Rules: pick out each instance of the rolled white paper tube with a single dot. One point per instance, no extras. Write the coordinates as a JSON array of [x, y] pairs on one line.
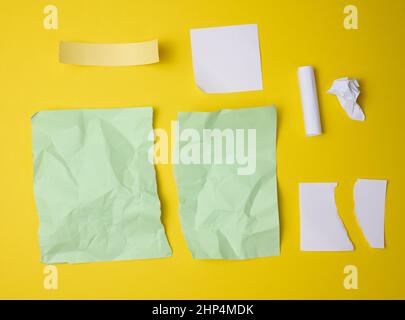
[[309, 100]]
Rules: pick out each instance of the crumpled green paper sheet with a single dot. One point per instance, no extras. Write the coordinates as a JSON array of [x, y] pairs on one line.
[[225, 215], [95, 189]]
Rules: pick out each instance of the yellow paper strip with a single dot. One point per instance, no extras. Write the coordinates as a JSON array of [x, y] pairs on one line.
[[124, 54]]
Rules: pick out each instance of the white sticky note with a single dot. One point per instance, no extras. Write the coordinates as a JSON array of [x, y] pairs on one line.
[[369, 198], [321, 226], [227, 59]]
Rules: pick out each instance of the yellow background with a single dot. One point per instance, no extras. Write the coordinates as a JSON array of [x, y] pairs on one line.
[[292, 33]]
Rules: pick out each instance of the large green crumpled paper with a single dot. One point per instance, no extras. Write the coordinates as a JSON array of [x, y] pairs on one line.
[[95, 189], [225, 215]]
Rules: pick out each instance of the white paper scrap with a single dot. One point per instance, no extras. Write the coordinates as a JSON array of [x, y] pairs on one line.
[[369, 198], [227, 59], [347, 92], [321, 226]]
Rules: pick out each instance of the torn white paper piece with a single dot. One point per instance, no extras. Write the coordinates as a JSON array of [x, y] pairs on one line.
[[227, 59], [321, 226], [347, 92], [369, 198]]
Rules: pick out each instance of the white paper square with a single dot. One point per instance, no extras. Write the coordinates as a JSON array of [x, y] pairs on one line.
[[227, 59]]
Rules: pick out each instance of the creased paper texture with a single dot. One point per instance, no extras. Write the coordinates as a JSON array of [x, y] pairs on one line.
[[95, 189], [347, 92], [226, 215]]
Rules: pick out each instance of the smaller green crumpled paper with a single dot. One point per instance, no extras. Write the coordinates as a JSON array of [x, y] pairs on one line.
[[94, 187], [225, 215]]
